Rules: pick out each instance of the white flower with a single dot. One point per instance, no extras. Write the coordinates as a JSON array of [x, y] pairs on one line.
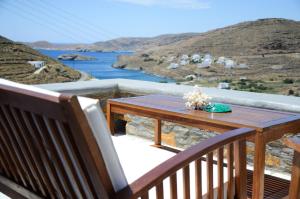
[[196, 98]]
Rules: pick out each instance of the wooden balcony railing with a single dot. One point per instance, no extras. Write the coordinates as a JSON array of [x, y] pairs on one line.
[[235, 147]]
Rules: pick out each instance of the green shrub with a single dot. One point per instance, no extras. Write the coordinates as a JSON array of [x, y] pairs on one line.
[[163, 81], [227, 80], [291, 92], [288, 81]]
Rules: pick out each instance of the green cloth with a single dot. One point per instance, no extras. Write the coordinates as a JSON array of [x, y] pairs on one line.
[[217, 108]]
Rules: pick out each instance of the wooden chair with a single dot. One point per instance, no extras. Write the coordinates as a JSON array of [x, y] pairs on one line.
[[294, 192], [50, 148]]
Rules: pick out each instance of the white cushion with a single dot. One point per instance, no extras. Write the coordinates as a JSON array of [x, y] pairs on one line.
[[137, 157], [97, 122]]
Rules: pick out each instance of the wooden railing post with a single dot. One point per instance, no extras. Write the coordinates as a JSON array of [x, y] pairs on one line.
[[294, 191], [295, 182], [259, 167], [240, 162]]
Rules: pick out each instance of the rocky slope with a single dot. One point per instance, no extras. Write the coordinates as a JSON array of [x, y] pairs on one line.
[[14, 65], [125, 43], [54, 46], [258, 50], [141, 43]]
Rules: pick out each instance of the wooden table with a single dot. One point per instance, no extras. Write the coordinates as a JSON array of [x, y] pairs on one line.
[[270, 125]]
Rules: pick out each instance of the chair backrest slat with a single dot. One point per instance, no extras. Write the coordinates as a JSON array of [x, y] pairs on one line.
[[75, 173], [30, 150], [42, 160], [47, 146], [13, 149], [8, 158]]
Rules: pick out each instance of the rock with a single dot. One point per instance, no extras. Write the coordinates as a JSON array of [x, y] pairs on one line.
[[190, 77], [147, 59], [120, 66], [75, 57], [196, 58], [83, 50], [202, 65], [171, 59], [212, 79], [173, 66], [277, 67], [243, 66], [145, 55], [224, 85]]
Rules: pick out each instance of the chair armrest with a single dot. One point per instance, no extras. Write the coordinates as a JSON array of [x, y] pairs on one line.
[[182, 159]]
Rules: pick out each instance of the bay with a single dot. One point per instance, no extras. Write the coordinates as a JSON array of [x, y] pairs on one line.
[[101, 67]]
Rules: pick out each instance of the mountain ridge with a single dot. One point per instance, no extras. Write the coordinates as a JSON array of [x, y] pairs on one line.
[[261, 50]]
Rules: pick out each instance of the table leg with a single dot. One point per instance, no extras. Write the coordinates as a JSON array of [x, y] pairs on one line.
[[157, 132], [259, 167], [110, 119]]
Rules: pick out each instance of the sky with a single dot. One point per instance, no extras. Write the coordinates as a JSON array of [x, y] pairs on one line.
[[88, 21]]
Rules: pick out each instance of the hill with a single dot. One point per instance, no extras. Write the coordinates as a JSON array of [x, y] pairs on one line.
[[55, 46], [125, 43], [14, 65], [141, 43], [266, 49]]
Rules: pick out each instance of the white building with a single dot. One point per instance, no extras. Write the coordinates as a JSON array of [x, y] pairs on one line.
[[37, 64], [196, 58], [221, 60], [230, 64], [224, 85]]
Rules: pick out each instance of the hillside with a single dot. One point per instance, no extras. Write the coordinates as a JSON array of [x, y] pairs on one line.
[[141, 43], [266, 49], [55, 46], [125, 43], [14, 65]]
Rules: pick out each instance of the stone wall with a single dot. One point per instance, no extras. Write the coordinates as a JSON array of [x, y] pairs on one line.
[[278, 157]]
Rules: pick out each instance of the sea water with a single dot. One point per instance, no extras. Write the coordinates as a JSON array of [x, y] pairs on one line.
[[101, 67]]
